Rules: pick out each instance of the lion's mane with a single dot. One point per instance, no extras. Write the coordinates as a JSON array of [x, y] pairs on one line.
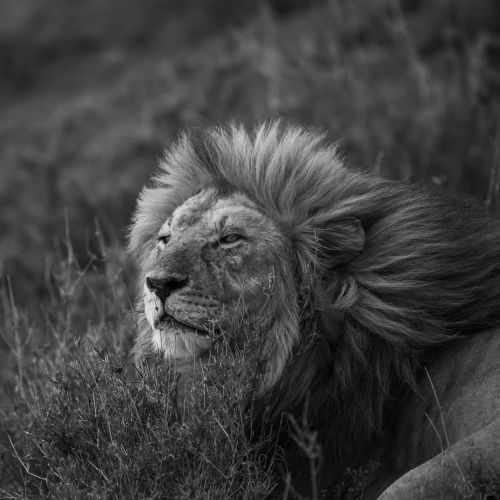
[[427, 273]]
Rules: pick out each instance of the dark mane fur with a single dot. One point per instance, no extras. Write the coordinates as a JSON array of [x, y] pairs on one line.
[[429, 271]]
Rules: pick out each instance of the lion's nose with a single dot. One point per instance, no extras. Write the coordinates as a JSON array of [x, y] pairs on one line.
[[163, 287]]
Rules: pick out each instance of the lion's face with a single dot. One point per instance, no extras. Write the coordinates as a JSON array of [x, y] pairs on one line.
[[214, 269]]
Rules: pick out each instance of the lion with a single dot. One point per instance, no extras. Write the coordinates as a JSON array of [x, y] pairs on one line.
[[379, 302]]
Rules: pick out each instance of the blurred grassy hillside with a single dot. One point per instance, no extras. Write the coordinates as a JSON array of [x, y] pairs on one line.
[[91, 93]]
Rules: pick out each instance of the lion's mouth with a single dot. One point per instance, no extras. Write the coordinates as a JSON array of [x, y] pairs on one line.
[[168, 321]]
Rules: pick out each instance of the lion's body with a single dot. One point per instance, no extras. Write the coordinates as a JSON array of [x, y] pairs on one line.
[[454, 419], [372, 297]]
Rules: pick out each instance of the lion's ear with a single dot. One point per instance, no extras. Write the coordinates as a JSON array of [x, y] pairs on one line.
[[341, 241]]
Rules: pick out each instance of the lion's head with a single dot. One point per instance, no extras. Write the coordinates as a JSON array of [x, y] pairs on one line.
[[230, 235], [352, 280]]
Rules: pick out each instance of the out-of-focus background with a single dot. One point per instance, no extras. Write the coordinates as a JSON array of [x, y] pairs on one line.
[[92, 91]]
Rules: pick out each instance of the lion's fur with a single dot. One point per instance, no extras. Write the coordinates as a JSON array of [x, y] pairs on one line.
[[426, 271]]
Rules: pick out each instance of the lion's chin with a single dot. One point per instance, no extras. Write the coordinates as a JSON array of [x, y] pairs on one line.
[[180, 342]]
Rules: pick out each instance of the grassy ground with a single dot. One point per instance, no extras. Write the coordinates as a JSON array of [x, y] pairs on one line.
[[410, 91]]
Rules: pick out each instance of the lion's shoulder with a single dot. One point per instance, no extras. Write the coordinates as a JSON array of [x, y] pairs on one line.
[[457, 396]]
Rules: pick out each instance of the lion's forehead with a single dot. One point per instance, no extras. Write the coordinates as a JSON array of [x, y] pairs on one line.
[[206, 211]]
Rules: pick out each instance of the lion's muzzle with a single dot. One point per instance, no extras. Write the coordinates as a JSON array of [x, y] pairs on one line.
[[162, 287]]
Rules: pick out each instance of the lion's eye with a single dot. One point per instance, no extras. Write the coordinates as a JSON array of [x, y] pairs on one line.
[[230, 239], [162, 240]]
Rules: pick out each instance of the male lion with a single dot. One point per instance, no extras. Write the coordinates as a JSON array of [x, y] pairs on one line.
[[378, 301]]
